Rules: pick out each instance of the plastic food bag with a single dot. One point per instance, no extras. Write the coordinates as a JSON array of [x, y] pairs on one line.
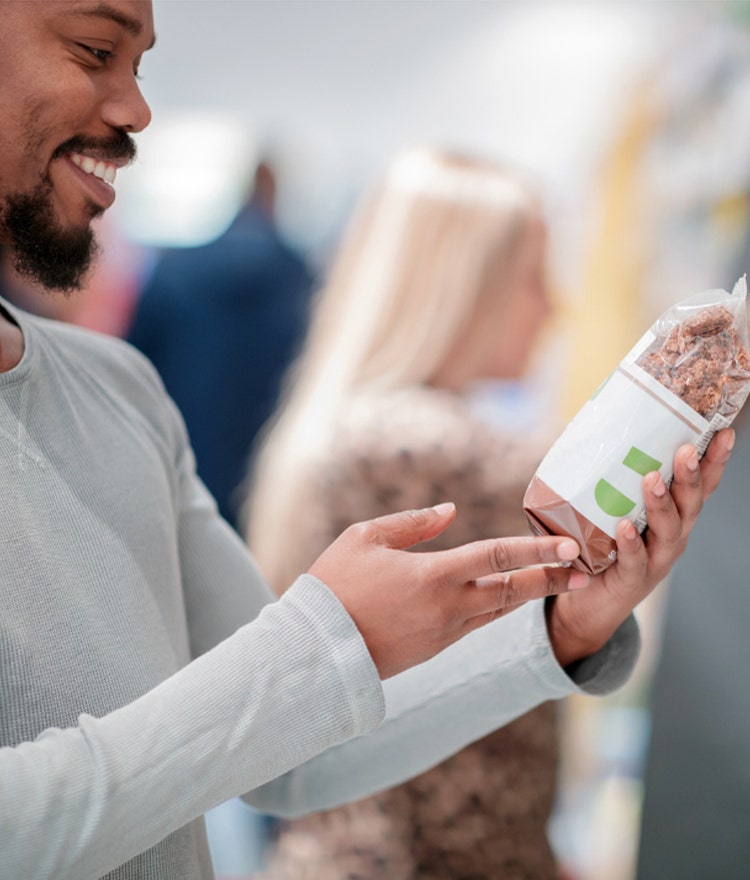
[[686, 378]]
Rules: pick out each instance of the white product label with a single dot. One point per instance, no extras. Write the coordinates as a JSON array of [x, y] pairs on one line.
[[632, 425]]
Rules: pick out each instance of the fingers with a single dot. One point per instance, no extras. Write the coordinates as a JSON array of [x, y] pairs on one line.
[[494, 596], [492, 577], [715, 459], [672, 513], [409, 527], [482, 558], [693, 482], [687, 485], [632, 556]]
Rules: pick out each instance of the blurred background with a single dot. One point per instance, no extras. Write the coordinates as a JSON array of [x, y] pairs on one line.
[[632, 117]]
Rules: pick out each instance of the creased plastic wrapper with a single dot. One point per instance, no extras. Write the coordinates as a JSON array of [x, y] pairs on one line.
[[686, 378]]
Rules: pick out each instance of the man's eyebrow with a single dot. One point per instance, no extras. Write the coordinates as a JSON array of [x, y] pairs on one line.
[[106, 10]]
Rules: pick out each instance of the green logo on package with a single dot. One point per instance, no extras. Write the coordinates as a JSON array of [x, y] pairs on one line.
[[611, 500]]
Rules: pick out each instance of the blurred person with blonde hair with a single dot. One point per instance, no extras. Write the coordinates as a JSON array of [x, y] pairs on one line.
[[439, 283]]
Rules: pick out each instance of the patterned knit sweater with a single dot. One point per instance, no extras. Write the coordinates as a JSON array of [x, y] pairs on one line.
[[483, 812]]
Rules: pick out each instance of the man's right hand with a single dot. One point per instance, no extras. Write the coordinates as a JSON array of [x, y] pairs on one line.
[[410, 606]]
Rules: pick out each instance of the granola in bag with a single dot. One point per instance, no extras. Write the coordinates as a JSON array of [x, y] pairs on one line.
[[685, 379]]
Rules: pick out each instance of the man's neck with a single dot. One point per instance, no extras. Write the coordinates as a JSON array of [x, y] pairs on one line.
[[11, 344]]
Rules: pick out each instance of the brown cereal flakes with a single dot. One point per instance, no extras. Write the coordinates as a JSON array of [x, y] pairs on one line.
[[702, 361]]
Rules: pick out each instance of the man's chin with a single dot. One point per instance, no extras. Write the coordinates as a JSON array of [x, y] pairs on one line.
[[42, 250], [59, 270]]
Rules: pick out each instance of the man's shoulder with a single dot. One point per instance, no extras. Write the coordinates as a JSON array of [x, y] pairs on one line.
[[109, 359], [79, 341]]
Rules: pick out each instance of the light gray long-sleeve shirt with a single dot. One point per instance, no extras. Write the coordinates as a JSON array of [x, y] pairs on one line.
[[147, 674]]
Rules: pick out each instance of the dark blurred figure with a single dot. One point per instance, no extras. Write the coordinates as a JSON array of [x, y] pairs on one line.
[[221, 323]]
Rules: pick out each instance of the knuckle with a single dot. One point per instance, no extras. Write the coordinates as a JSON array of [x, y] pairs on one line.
[[439, 616], [443, 617], [430, 581], [507, 591], [359, 532], [675, 536], [417, 518], [690, 480], [540, 556], [500, 557], [553, 577]]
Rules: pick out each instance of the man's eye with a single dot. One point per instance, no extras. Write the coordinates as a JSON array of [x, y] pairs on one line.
[[102, 55]]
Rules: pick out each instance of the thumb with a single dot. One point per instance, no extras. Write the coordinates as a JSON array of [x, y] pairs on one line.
[[408, 527]]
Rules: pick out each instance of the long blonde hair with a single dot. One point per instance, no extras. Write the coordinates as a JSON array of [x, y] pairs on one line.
[[405, 282]]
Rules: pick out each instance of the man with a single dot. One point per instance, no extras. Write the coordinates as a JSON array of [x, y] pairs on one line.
[[117, 572]]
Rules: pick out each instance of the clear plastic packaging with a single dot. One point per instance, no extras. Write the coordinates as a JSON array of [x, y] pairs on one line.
[[685, 379]]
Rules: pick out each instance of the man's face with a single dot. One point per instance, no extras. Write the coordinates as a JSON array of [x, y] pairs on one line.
[[69, 99]]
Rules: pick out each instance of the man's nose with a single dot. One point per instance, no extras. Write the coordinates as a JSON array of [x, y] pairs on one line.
[[126, 108]]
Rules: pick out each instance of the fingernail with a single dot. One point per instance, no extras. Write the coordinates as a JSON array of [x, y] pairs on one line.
[[568, 550], [659, 489], [578, 580], [693, 462], [629, 531], [730, 441], [444, 508]]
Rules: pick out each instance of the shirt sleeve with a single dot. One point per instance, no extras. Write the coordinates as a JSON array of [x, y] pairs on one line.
[[279, 710], [282, 689], [477, 685]]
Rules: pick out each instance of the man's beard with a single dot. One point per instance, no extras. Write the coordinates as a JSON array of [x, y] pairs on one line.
[[41, 249]]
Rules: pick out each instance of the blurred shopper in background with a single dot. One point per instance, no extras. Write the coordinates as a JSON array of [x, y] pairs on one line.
[[220, 323], [439, 283]]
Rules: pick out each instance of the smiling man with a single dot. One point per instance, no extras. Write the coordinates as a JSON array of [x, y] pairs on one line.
[[69, 103], [146, 674]]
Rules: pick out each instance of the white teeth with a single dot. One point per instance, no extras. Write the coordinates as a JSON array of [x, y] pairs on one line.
[[102, 170]]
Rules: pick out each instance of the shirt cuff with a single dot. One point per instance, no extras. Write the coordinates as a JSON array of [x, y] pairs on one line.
[[596, 675], [358, 674]]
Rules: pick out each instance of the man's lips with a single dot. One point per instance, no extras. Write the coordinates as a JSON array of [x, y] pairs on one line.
[[96, 175]]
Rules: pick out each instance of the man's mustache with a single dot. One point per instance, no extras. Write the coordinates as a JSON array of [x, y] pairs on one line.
[[119, 147]]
